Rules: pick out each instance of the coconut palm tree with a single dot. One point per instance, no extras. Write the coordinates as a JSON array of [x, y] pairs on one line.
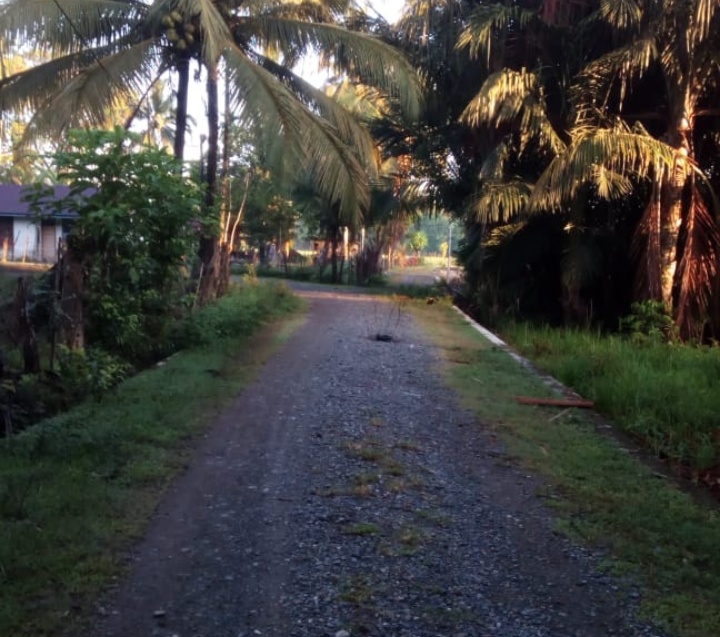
[[157, 113], [105, 48]]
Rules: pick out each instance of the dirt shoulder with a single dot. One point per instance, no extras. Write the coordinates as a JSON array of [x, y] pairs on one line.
[[346, 492]]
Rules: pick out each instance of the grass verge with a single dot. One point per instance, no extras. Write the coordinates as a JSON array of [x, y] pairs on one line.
[[76, 490], [649, 528], [666, 395]]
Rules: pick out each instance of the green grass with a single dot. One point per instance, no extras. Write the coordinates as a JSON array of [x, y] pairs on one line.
[[666, 395], [77, 489], [649, 528]]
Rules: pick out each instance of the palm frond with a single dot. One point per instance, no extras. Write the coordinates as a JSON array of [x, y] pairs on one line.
[[88, 98], [621, 151], [510, 96], [363, 56], [420, 18], [62, 26], [295, 135], [698, 266], [486, 22], [705, 12], [621, 14], [493, 168], [311, 10], [625, 64], [29, 89], [499, 202], [501, 97], [609, 184], [348, 127], [535, 124]]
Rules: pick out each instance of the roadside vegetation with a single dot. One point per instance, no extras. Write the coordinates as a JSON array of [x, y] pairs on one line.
[[651, 532], [667, 396], [77, 489], [120, 297]]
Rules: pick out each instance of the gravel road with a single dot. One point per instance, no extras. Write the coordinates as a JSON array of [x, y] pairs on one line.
[[346, 493]]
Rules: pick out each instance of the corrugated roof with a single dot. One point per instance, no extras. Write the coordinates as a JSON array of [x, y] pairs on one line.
[[11, 203]]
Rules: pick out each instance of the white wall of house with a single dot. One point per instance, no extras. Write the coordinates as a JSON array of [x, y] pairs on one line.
[[31, 242], [26, 240]]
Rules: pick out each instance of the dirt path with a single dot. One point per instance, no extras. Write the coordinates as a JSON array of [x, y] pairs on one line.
[[345, 493]]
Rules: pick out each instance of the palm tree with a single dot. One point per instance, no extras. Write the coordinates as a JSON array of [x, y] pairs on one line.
[[644, 112], [157, 111], [528, 54]]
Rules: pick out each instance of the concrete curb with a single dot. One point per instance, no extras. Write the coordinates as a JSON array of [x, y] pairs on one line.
[[553, 383]]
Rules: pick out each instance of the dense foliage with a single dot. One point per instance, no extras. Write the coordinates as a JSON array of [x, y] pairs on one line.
[[577, 141], [136, 226]]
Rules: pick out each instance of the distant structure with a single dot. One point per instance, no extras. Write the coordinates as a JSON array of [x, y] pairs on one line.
[[24, 237]]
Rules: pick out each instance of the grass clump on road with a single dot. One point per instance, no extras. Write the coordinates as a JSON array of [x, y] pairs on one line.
[[666, 395], [649, 528], [77, 489]]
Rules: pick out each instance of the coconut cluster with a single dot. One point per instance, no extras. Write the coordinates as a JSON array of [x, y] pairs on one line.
[[181, 33]]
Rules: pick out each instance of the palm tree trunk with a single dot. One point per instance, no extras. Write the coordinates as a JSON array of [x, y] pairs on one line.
[[210, 245], [226, 245], [671, 211], [183, 69]]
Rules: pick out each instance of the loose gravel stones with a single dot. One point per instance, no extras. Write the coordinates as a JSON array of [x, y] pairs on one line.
[[346, 493]]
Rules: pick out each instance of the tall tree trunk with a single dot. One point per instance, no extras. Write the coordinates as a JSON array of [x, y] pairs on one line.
[[226, 244], [26, 331], [671, 212], [181, 113], [210, 245], [72, 328]]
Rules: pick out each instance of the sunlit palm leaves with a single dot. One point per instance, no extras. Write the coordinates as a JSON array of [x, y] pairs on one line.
[[666, 48], [606, 158], [111, 47], [500, 201], [487, 23]]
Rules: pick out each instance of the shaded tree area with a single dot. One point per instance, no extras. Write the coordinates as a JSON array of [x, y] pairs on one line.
[[119, 297], [577, 143]]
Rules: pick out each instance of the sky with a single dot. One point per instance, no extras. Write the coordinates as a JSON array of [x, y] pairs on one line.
[[388, 9]]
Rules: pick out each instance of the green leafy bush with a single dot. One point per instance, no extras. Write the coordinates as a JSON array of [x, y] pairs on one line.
[[649, 321], [137, 220], [90, 372], [236, 314]]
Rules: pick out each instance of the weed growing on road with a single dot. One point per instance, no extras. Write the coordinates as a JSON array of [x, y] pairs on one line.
[[357, 591], [434, 518], [652, 530], [406, 445], [361, 529]]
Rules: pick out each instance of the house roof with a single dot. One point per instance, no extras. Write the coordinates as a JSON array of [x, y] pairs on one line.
[[12, 204]]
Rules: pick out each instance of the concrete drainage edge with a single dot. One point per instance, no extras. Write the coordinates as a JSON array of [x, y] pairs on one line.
[[553, 383]]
